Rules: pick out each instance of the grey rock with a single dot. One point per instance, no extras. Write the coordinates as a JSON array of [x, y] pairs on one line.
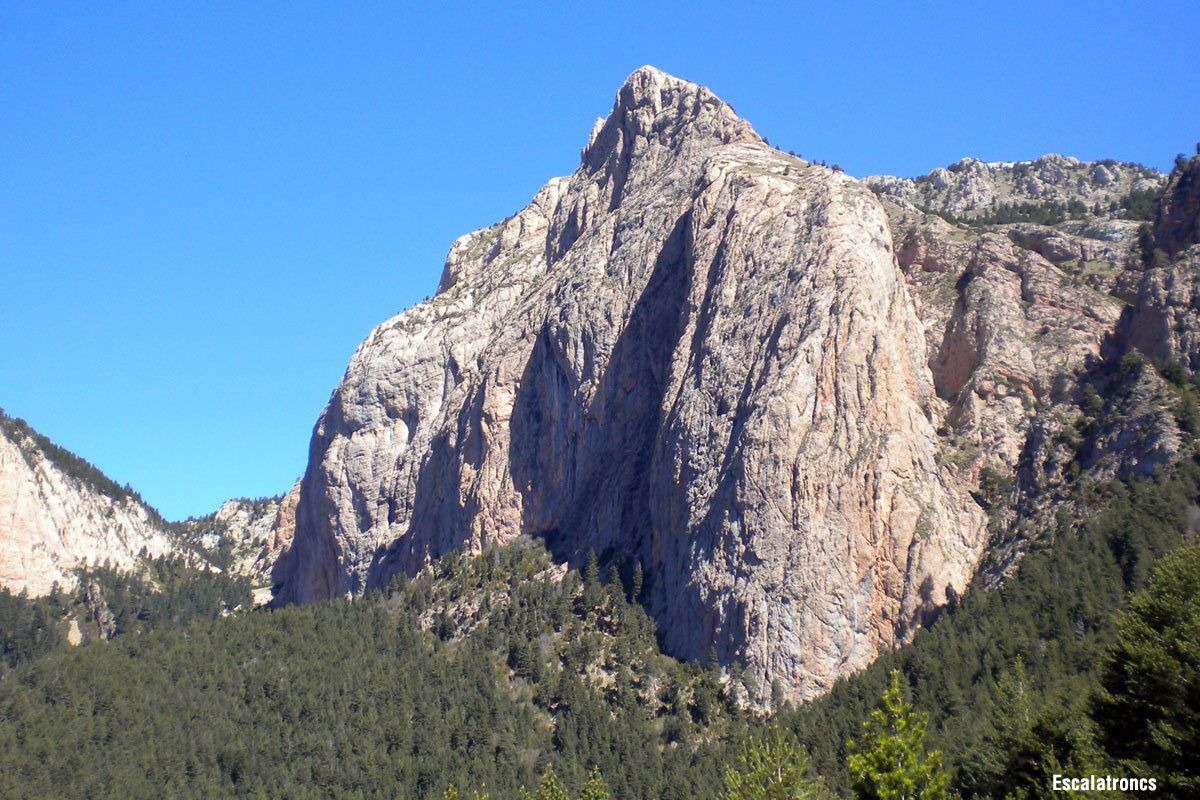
[[695, 353], [971, 188]]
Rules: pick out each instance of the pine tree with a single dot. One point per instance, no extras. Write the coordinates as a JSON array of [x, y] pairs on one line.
[[591, 582], [774, 767], [549, 788], [591, 569], [594, 788], [1149, 702], [614, 576], [635, 593], [889, 762]]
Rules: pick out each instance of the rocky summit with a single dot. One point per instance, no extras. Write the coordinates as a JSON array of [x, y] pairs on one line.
[[806, 410], [696, 355]]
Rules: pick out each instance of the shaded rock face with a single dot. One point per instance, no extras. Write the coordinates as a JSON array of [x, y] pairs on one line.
[[53, 521], [1164, 320], [695, 353], [1177, 224]]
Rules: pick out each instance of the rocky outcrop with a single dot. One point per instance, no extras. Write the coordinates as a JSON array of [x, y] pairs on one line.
[[246, 536], [1007, 329], [99, 616], [1137, 432], [972, 188], [1093, 251], [1164, 321], [695, 353], [1177, 223], [243, 523], [239, 536], [57, 513]]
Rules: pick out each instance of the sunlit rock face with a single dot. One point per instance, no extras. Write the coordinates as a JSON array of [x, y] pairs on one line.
[[52, 521], [695, 353]]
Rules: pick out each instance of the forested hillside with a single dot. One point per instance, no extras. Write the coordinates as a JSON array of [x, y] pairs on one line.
[[107, 603], [501, 672]]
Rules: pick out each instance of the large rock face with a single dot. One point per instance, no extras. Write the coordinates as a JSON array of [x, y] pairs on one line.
[[695, 353], [1164, 320], [58, 513]]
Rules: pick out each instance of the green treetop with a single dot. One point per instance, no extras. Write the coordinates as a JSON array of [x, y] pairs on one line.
[[594, 788], [889, 761], [1148, 706], [774, 767]]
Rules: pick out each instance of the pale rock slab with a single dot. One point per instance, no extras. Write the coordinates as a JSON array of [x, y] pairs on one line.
[[695, 352], [52, 523]]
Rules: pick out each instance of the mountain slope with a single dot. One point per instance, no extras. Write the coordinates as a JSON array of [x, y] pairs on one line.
[[695, 354], [57, 513]]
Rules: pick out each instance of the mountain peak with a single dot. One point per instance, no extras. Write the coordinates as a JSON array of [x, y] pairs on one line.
[[651, 72], [653, 106]]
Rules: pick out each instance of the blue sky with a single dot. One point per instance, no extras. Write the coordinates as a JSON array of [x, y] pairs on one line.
[[204, 208]]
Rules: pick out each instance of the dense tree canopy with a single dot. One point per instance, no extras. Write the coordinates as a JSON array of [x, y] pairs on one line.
[[1148, 705]]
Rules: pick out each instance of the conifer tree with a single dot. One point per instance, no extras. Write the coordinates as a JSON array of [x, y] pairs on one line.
[[550, 788], [889, 761], [594, 788], [1148, 705], [774, 767], [591, 582]]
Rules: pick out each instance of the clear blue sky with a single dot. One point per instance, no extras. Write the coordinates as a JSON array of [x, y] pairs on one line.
[[204, 208]]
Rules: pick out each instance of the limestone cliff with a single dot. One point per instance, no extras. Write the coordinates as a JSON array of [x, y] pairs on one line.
[[695, 353], [57, 512], [1164, 291]]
